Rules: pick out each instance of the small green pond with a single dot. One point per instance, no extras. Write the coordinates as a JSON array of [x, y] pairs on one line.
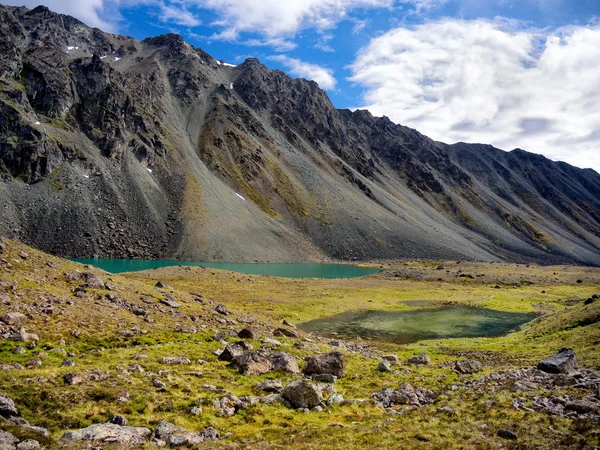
[[274, 270], [404, 327]]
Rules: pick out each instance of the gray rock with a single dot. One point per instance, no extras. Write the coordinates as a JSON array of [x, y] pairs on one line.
[[72, 379], [284, 361], [271, 399], [162, 285], [581, 406], [67, 363], [467, 366], [384, 366], [2, 246], [406, 394], [120, 420], [29, 444], [14, 318], [421, 359], [19, 350], [174, 360], [92, 281], [222, 309], [230, 352], [271, 341], [158, 384], [284, 332], [324, 378], [334, 399], [109, 433], [7, 406], [332, 363], [249, 333], [302, 394], [252, 363], [196, 411], [445, 410], [270, 386], [564, 361], [170, 303], [391, 358], [7, 440], [176, 436]]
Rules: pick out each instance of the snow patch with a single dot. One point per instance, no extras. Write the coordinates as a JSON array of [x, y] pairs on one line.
[[240, 196], [37, 123], [149, 170], [218, 62], [86, 176], [70, 48], [102, 57], [231, 86], [228, 65], [117, 58]]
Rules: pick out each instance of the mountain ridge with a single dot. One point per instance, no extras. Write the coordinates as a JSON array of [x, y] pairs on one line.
[[114, 147]]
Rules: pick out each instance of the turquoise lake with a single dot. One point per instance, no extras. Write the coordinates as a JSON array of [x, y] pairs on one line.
[[274, 270], [408, 326]]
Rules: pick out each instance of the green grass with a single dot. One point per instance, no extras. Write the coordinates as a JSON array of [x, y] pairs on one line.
[[565, 321]]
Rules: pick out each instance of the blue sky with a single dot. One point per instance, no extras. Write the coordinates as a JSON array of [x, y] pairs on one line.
[[506, 72]]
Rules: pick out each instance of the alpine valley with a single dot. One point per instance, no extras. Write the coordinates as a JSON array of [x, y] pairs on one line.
[[114, 147]]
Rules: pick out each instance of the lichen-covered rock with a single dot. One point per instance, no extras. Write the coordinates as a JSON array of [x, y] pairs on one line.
[[467, 366], [284, 361], [249, 333], [421, 359], [302, 394], [564, 361], [174, 360], [384, 366], [109, 433], [175, 436], [332, 363], [230, 352], [14, 318], [7, 406], [252, 363], [92, 281], [7, 440], [270, 386]]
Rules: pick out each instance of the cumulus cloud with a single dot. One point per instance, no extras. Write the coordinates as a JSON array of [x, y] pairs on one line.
[[178, 15], [323, 76], [485, 81], [274, 18], [88, 11]]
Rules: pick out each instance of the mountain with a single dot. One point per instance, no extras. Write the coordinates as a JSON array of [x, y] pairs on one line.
[[115, 147]]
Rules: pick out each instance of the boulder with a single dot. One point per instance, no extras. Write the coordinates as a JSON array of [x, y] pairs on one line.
[[176, 436], [7, 406], [467, 366], [302, 394], [230, 352], [270, 386], [564, 361], [109, 433], [284, 361], [28, 444], [7, 440], [14, 318], [72, 379], [92, 281], [252, 363], [249, 333], [222, 309], [391, 358], [170, 303], [332, 363], [581, 406], [285, 333], [421, 359], [384, 366], [324, 378], [162, 285]]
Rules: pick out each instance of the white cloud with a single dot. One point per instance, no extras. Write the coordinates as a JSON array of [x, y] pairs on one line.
[[274, 18], [178, 15], [481, 82], [323, 76], [88, 11]]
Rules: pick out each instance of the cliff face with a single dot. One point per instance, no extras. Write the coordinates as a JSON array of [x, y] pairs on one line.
[[119, 148]]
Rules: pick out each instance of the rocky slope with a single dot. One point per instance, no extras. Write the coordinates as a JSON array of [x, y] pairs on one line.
[[119, 148]]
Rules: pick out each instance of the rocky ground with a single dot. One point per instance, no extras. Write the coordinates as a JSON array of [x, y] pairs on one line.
[[203, 358]]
